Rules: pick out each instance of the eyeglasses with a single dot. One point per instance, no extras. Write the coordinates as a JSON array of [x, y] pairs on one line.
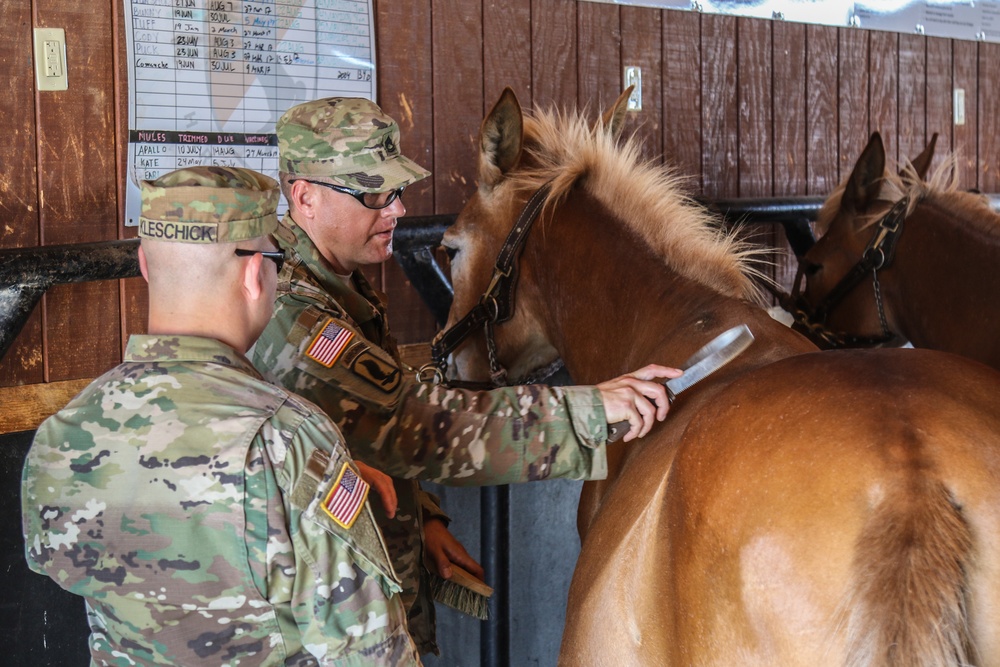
[[372, 200], [277, 256]]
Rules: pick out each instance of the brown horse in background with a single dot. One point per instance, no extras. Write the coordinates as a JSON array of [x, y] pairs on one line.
[[938, 283], [796, 507]]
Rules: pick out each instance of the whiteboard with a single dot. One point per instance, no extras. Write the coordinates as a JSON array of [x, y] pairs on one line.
[[977, 20], [208, 79]]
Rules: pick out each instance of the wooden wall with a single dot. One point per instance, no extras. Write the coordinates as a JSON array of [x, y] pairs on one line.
[[748, 108]]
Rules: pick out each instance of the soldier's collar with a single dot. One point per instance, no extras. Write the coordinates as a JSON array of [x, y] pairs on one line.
[[161, 347]]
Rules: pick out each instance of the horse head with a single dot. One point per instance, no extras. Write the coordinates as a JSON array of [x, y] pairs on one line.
[[508, 179], [860, 222]]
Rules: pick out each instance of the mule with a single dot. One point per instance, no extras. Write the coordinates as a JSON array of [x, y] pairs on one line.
[[906, 259], [796, 507]]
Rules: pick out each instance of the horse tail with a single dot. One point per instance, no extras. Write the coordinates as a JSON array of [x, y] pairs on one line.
[[909, 598]]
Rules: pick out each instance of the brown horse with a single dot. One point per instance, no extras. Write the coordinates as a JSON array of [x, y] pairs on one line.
[[796, 507], [925, 272]]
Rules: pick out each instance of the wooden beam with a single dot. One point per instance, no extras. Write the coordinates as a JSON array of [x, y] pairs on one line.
[[27, 406]]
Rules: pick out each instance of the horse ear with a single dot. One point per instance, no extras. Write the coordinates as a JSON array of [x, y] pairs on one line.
[[866, 180], [613, 119], [500, 139], [922, 162]]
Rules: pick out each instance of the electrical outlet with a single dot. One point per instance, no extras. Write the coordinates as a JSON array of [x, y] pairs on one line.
[[50, 59], [53, 58], [959, 106]]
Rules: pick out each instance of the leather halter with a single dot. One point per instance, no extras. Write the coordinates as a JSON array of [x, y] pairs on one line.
[[496, 305], [878, 254]]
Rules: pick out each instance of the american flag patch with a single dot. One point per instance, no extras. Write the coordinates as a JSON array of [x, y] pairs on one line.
[[329, 343], [346, 498]]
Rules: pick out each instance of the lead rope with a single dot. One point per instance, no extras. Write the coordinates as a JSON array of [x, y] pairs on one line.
[[878, 302]]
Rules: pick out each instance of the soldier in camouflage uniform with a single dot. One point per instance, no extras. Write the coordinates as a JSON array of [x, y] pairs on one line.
[[342, 174], [206, 516]]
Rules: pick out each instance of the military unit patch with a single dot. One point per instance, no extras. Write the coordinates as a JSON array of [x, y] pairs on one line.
[[329, 343], [383, 375], [344, 501]]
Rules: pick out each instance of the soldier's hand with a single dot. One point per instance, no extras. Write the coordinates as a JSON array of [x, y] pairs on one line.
[[382, 484], [638, 397], [442, 549]]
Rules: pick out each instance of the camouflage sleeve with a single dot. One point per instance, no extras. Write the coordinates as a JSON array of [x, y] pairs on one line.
[[344, 593], [451, 436], [430, 505]]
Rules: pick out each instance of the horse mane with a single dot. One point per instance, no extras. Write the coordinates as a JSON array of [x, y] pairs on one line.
[[648, 197], [940, 190]]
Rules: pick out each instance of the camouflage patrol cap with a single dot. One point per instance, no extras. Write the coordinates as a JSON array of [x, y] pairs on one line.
[[208, 205], [347, 140]]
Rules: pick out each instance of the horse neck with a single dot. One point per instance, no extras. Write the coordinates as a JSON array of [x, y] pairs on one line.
[[940, 290], [612, 305]]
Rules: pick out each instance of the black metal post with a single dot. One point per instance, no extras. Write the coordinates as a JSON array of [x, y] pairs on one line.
[[495, 553]]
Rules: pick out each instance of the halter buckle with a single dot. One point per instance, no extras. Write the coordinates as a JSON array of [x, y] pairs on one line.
[[491, 306], [498, 275], [430, 373]]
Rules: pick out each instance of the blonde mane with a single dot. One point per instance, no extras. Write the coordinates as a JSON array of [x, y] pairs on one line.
[[646, 196], [940, 190]]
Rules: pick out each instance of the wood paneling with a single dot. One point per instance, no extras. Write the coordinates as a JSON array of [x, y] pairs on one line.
[[643, 48], [789, 104], [77, 167], [507, 51], [719, 118], [883, 89], [554, 68], [788, 67], [853, 100], [744, 107], [939, 97], [965, 139], [682, 94], [755, 139], [19, 220], [404, 79], [458, 98], [989, 117], [912, 96], [599, 61], [822, 109], [755, 97]]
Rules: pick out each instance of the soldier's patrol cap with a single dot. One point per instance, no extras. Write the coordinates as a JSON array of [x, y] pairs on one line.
[[209, 205], [347, 140]]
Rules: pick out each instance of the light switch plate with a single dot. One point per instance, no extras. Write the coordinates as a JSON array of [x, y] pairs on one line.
[[50, 59], [633, 77]]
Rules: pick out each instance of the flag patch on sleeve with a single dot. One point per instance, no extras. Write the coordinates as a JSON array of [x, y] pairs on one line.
[[329, 343], [344, 501]]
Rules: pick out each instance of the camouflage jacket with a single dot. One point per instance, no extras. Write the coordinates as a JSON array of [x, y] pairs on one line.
[[329, 341], [186, 500]]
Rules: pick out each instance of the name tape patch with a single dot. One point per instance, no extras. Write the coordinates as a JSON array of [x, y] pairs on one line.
[[191, 232]]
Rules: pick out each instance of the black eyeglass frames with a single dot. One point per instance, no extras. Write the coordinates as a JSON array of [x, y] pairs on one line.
[[372, 200], [277, 256]]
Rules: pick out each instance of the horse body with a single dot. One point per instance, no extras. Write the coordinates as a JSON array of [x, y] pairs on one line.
[[797, 507], [939, 289]]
